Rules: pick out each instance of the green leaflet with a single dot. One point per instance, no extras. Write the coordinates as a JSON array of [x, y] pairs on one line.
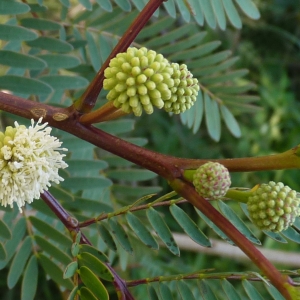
[[94, 251], [208, 13], [50, 231], [85, 167], [162, 230], [165, 292], [93, 51], [212, 118], [216, 229], [18, 263], [105, 4], [73, 293], [96, 265], [30, 279], [205, 290], [136, 191], [24, 85], [19, 60], [185, 13], [52, 250], [12, 244], [170, 8], [11, 33], [4, 231], [51, 44], [93, 283], [40, 24], [64, 82], [184, 291], [251, 290], [83, 183], [232, 14], [124, 4], [54, 271], [86, 294], [60, 61], [10, 7], [86, 3], [152, 293], [131, 174], [219, 13], [107, 238], [70, 269], [118, 231], [249, 8], [273, 292], [189, 226], [229, 290], [291, 234], [117, 127], [2, 252], [237, 222], [141, 231]]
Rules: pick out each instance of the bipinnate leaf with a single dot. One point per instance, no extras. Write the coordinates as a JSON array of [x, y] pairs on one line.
[[17, 266], [107, 238], [4, 231], [118, 231], [189, 226], [184, 291], [162, 230], [53, 250], [94, 251], [12, 244], [237, 222], [50, 231], [165, 291], [141, 231], [54, 271], [229, 290], [19, 60], [96, 265], [30, 279], [70, 269], [251, 291], [10, 7], [92, 282], [206, 291]]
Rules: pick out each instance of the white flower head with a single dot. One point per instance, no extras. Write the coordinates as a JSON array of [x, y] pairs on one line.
[[29, 162]]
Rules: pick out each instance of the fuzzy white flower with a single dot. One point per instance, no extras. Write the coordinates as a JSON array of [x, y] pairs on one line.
[[29, 162]]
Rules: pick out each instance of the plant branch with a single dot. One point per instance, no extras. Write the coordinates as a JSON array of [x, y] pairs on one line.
[[87, 101], [72, 225], [187, 191]]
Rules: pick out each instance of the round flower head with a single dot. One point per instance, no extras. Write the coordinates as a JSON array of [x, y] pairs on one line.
[[137, 80], [212, 180], [273, 206], [29, 161], [184, 91]]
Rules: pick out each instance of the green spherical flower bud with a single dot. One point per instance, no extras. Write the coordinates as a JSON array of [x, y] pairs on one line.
[[212, 180], [184, 90], [273, 206], [138, 72]]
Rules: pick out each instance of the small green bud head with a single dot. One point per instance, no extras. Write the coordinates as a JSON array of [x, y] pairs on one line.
[[273, 206], [212, 180]]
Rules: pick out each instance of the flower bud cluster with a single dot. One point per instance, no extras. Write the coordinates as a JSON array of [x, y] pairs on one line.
[[141, 79], [273, 206], [212, 180]]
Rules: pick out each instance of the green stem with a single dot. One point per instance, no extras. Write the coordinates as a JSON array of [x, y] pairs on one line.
[[88, 99], [240, 196], [188, 192]]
